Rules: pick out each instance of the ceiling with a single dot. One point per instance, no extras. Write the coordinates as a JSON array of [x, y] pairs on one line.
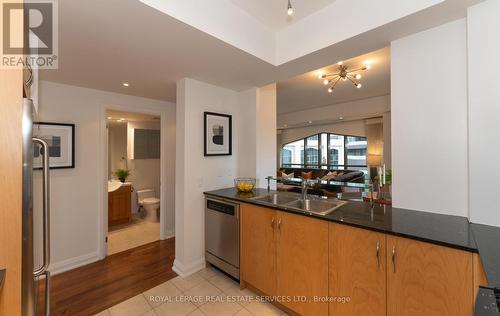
[[152, 50], [151, 57], [273, 13], [307, 91]]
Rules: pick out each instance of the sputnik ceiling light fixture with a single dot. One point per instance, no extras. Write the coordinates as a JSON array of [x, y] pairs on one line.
[[289, 8], [343, 74]]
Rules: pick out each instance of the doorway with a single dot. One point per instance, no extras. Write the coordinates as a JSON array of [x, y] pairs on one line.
[[133, 208]]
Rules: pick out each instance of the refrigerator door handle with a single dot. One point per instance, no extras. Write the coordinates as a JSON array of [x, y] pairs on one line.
[[46, 207], [47, 292]]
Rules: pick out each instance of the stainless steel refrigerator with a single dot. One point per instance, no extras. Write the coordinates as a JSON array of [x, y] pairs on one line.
[[31, 275]]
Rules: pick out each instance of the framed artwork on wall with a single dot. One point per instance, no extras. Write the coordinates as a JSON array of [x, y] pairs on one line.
[[218, 134], [61, 140]]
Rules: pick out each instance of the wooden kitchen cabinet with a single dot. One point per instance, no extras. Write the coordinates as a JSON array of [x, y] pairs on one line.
[[357, 271], [302, 263], [285, 255], [258, 247], [119, 206], [428, 280]]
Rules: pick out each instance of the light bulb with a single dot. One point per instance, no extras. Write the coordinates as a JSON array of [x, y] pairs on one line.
[[326, 81], [368, 67], [344, 78], [290, 8], [320, 75], [340, 63], [330, 90], [125, 84], [358, 76], [359, 86]]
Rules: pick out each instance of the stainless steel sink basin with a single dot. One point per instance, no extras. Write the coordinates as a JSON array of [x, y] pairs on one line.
[[320, 207], [277, 199]]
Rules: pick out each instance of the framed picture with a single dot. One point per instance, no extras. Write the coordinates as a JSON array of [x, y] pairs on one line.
[[218, 134], [61, 141]]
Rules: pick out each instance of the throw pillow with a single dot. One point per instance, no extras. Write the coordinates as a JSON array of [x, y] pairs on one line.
[[307, 175]]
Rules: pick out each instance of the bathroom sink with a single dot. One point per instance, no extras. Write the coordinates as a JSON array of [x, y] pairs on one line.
[[114, 185], [320, 207], [276, 199]]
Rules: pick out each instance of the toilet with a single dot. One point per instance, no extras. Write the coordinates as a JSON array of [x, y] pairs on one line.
[[150, 203]]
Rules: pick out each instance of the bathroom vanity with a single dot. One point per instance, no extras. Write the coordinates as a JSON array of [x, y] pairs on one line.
[[119, 203]]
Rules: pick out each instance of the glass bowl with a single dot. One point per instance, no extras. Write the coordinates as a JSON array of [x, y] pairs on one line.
[[244, 184]]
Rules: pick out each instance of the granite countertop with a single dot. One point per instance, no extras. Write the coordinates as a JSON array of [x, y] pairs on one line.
[[446, 230], [487, 239]]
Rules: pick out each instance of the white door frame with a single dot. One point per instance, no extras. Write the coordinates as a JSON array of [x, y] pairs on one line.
[[103, 212]]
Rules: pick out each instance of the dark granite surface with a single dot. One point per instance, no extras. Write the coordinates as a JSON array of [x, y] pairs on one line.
[[446, 230], [486, 303], [488, 243]]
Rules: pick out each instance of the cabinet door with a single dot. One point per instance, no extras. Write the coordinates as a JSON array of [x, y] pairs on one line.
[[119, 203], [258, 247], [357, 271], [303, 262], [428, 280]]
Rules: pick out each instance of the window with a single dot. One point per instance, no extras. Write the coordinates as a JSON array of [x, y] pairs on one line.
[[292, 154], [326, 151]]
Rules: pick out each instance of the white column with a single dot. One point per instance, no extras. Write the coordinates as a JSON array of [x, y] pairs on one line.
[[484, 112]]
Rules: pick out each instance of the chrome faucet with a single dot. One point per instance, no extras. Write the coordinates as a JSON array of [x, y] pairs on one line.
[[305, 186]]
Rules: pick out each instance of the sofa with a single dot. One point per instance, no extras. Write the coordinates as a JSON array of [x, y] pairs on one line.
[[321, 189]]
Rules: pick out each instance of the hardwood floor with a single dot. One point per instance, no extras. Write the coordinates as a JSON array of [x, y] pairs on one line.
[[100, 285]]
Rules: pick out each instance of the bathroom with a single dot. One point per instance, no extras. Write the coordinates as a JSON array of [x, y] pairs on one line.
[[133, 180]]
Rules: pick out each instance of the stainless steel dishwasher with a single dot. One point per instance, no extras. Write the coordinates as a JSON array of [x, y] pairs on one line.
[[222, 235]]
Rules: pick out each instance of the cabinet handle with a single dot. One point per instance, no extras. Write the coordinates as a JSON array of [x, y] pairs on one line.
[[272, 222], [279, 224], [378, 255], [394, 258]]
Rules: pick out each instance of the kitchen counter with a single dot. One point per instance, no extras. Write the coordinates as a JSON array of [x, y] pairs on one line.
[[446, 230], [487, 239]]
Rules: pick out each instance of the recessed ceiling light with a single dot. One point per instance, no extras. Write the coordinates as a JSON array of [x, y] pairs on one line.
[[341, 117], [289, 8], [110, 118], [126, 84], [310, 122]]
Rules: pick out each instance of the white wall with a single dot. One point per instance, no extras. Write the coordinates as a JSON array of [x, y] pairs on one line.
[[77, 194], [254, 122], [484, 111], [144, 173], [356, 127], [196, 173], [429, 120], [359, 109]]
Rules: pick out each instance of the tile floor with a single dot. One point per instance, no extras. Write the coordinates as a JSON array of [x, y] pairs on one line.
[[186, 296], [137, 233]]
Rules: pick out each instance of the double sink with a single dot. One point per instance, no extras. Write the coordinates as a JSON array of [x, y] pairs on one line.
[[310, 205]]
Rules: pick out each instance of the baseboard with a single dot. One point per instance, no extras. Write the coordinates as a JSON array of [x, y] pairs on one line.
[[168, 235], [73, 263], [185, 270]]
